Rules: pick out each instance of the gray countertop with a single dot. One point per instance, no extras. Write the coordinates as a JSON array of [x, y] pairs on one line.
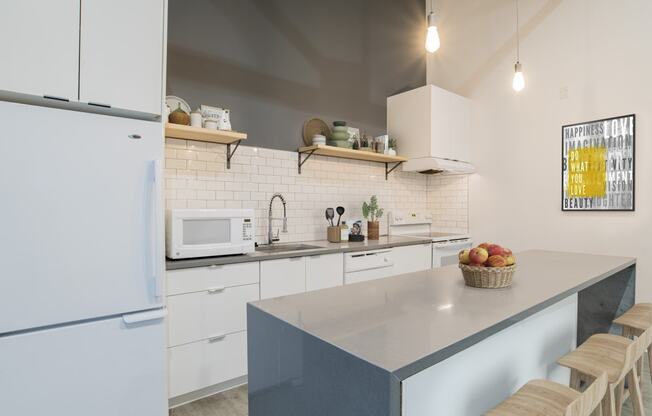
[[406, 323], [324, 247]]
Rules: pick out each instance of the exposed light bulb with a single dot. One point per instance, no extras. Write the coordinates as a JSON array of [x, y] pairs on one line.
[[432, 37], [519, 81]]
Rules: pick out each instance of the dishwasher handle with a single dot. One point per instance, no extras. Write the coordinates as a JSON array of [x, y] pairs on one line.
[[355, 262]]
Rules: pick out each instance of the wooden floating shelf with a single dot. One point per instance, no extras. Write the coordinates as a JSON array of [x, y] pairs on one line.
[[179, 131], [333, 151], [344, 153]]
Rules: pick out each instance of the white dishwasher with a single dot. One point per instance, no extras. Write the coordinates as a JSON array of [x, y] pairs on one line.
[[368, 265]]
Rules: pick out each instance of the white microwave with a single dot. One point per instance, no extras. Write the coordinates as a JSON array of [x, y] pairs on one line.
[[209, 232]]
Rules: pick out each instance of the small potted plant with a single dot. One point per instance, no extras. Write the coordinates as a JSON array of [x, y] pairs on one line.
[[392, 147], [372, 214], [365, 144]]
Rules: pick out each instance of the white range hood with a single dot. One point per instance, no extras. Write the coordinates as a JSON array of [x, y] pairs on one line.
[[432, 165], [432, 129]]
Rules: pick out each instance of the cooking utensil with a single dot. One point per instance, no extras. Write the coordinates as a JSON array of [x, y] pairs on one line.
[[340, 211], [312, 127], [330, 214]]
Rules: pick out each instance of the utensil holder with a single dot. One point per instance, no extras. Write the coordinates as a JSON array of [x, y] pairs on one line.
[[333, 234]]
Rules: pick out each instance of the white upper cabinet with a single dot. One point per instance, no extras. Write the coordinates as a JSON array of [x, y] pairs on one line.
[[121, 56], [40, 48]]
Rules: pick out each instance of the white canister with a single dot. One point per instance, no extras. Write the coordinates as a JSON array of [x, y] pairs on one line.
[[196, 118], [210, 124]]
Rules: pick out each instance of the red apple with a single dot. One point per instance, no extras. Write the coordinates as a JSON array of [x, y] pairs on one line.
[[484, 245], [496, 261], [464, 256], [478, 255], [495, 250], [507, 252]]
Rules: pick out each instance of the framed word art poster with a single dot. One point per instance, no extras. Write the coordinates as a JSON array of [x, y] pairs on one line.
[[598, 165]]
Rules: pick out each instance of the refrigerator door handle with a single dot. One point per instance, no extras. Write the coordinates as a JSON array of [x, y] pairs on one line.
[[156, 235], [140, 317]]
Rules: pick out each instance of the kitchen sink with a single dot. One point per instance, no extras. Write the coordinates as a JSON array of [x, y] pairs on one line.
[[274, 248]]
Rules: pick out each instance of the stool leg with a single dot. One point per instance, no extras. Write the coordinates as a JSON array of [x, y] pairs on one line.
[[649, 361], [609, 402], [635, 393], [619, 394], [597, 411], [575, 380]]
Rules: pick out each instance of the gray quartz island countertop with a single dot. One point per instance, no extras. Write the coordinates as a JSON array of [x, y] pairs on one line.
[[406, 323], [323, 247]]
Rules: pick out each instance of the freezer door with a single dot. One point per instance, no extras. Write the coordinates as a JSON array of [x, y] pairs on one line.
[[80, 219], [101, 368]]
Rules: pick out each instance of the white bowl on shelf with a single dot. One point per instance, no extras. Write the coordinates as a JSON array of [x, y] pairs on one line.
[[318, 139]]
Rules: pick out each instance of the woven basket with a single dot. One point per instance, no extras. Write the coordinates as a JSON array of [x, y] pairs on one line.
[[488, 277]]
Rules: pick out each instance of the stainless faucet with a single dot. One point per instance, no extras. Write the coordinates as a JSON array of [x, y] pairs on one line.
[[270, 235]]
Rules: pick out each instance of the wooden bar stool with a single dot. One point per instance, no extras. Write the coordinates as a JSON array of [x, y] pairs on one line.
[[546, 398], [635, 321], [616, 356]]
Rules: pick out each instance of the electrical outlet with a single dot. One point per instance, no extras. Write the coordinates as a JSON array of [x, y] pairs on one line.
[[563, 93]]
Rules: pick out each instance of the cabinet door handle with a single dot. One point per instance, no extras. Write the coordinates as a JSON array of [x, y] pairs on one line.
[[54, 97], [216, 338], [99, 105], [215, 290]]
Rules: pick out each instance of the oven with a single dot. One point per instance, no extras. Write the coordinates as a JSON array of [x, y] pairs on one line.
[[445, 253]]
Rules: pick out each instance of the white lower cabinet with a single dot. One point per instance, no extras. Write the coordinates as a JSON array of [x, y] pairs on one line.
[[204, 278], [209, 313], [282, 277], [204, 363], [324, 271], [207, 323], [408, 259], [207, 335]]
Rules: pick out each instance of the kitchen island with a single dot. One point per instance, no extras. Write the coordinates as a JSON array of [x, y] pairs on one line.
[[424, 343]]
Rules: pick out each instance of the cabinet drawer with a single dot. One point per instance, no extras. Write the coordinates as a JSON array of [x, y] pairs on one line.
[[210, 313], [204, 278], [204, 363]]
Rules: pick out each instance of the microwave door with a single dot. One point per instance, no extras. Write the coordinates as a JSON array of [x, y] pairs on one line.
[[206, 231]]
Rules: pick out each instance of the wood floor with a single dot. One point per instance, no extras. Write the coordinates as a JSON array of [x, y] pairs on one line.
[[234, 402]]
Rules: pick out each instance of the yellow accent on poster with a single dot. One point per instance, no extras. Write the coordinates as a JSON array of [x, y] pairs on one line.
[[587, 172]]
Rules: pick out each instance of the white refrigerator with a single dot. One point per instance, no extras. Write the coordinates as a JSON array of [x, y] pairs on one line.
[[82, 310]]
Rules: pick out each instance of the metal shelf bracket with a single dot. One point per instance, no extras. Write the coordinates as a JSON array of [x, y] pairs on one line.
[[229, 153], [388, 171], [301, 162]]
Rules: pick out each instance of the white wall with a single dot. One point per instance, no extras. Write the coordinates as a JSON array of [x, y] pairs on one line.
[[601, 52], [196, 177]]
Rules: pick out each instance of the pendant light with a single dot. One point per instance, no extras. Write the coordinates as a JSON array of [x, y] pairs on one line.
[[519, 81], [432, 37]]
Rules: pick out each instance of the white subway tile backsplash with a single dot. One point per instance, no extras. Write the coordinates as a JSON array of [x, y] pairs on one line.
[[196, 177]]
